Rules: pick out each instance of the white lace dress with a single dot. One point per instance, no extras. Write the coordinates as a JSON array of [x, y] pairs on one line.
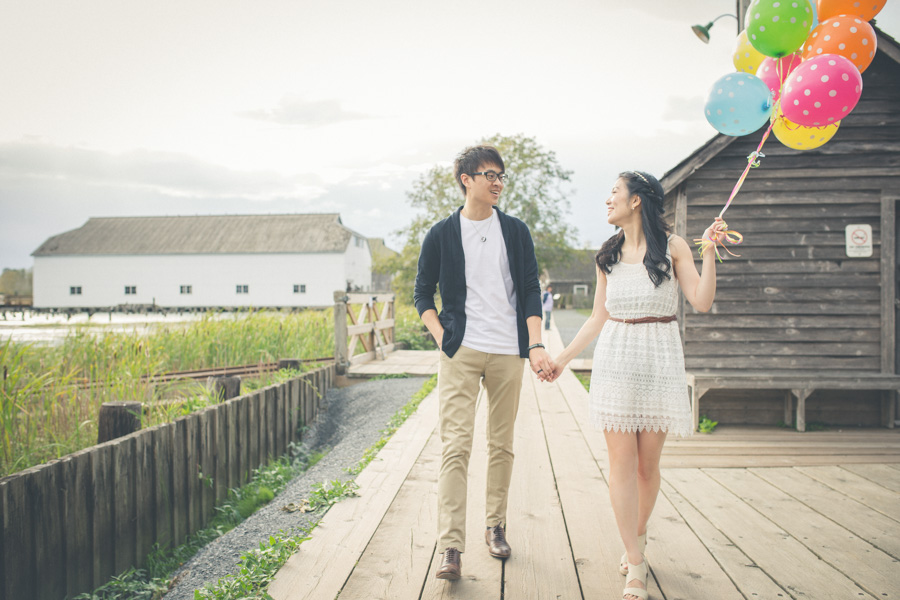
[[638, 380]]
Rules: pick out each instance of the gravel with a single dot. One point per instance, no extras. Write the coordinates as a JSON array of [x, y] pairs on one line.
[[352, 422]]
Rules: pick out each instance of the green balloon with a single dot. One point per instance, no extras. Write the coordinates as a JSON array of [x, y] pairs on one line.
[[778, 27]]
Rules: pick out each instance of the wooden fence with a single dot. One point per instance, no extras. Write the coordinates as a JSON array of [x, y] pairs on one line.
[[369, 326], [69, 525]]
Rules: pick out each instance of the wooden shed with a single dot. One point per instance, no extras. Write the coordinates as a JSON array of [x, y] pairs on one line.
[[797, 316]]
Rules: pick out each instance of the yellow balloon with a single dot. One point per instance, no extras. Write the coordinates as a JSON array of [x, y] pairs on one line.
[[799, 137], [746, 58]]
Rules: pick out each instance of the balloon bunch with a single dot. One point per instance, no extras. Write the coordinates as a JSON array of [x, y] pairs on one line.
[[798, 67]]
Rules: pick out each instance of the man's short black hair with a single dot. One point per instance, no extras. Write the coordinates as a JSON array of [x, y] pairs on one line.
[[470, 159]]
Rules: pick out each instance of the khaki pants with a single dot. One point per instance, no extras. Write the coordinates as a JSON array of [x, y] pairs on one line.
[[458, 383]]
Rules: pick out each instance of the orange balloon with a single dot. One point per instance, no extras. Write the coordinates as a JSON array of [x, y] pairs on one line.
[[845, 35], [866, 9]]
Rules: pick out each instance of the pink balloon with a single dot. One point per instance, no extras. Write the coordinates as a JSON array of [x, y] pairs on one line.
[[774, 71], [822, 90]]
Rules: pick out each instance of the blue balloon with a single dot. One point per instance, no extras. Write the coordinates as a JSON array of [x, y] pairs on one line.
[[738, 104], [815, 14]]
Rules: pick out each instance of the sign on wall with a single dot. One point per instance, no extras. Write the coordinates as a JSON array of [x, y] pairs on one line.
[[859, 241]]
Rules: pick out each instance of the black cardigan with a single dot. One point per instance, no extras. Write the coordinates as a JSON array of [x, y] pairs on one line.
[[443, 262]]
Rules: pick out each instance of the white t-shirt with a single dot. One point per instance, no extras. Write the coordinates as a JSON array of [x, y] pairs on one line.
[[491, 324]]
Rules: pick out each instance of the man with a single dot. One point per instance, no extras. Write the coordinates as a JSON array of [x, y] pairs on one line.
[[484, 262], [548, 306]]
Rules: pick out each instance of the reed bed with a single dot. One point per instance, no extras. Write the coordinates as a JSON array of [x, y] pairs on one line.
[[50, 396]]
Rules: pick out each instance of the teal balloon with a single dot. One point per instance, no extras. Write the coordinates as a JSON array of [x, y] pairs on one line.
[[779, 27], [738, 104]]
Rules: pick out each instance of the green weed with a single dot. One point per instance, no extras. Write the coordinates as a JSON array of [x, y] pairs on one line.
[[707, 425]]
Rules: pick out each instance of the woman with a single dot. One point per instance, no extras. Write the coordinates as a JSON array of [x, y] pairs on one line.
[[638, 388]]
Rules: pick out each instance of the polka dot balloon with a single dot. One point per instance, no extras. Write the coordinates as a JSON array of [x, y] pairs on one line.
[[746, 58], [821, 91], [848, 36], [778, 27], [865, 9], [738, 104], [799, 137], [775, 70]]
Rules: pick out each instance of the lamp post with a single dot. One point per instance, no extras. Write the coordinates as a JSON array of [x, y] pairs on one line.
[[702, 31]]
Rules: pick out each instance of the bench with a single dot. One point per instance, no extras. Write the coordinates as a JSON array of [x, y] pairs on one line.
[[799, 384]]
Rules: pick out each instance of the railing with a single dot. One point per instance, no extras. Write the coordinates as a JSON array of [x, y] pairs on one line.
[[360, 321], [69, 525]]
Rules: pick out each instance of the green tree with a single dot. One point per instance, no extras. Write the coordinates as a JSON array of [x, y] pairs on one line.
[[16, 282], [536, 193]]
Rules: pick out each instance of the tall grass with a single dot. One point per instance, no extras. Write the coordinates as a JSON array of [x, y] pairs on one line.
[[50, 396]]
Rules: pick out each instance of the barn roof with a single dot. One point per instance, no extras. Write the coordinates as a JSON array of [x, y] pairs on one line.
[[216, 234], [675, 176]]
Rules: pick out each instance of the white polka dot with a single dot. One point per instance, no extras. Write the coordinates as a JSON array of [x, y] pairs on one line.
[[836, 24], [826, 38], [844, 109], [724, 125], [794, 4], [853, 56], [865, 42], [832, 93], [719, 111], [762, 27], [806, 112], [853, 30], [813, 67], [841, 46], [740, 83], [719, 91], [845, 77], [753, 35], [857, 89], [728, 78], [731, 109], [776, 4], [796, 103], [775, 19], [824, 78], [793, 19], [817, 104], [819, 51], [731, 94], [830, 119], [815, 34], [832, 62], [799, 78], [806, 92]]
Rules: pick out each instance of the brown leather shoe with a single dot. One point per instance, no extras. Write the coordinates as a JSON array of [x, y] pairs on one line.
[[495, 538], [451, 566]]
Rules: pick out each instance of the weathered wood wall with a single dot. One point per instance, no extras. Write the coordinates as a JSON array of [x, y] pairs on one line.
[[67, 526]]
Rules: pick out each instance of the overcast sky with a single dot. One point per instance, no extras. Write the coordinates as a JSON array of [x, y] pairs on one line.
[[112, 108]]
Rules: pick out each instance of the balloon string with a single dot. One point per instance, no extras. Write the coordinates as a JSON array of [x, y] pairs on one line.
[[731, 236]]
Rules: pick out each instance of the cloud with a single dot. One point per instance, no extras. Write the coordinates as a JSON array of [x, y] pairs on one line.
[[684, 108], [311, 113], [166, 173]]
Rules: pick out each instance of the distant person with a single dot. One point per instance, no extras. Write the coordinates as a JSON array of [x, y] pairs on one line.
[[484, 262], [547, 303], [638, 388]]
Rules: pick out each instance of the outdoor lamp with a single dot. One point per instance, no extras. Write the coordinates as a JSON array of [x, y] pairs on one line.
[[702, 31]]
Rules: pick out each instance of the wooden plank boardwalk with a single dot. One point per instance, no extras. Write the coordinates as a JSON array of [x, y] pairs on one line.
[[744, 513], [411, 362]]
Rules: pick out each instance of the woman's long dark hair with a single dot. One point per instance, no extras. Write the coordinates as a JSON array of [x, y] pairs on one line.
[[655, 229]]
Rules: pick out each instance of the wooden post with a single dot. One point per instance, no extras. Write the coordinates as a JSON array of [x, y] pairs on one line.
[[288, 363], [802, 395], [341, 352], [118, 419], [224, 387]]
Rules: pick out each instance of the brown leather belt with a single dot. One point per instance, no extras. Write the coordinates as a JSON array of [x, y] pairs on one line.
[[645, 320]]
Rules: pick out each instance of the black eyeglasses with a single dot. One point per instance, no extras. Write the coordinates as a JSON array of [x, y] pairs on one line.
[[492, 176]]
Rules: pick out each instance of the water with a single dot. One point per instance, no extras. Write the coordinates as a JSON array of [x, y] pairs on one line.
[[50, 329]]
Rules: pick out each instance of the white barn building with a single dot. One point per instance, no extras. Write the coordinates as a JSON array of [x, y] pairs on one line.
[[201, 262]]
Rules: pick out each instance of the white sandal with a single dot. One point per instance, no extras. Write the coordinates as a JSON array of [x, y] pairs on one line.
[[639, 573], [623, 563]]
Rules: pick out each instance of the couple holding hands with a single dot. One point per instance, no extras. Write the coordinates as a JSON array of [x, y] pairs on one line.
[[483, 261]]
